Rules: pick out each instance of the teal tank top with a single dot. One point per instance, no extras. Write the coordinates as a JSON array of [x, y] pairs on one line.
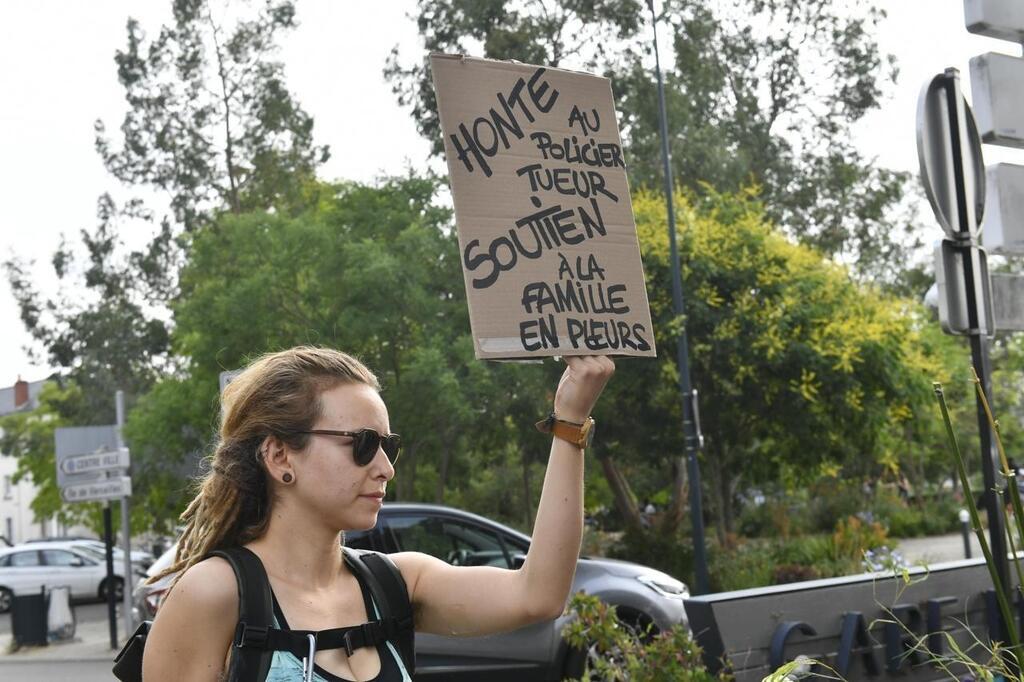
[[286, 667]]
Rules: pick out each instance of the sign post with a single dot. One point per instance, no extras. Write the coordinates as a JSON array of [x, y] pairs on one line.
[[691, 415], [953, 173], [126, 528], [92, 465]]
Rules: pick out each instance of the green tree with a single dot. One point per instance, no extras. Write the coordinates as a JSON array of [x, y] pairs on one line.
[[105, 338], [29, 437], [210, 119], [759, 92], [371, 270], [210, 124], [801, 370]]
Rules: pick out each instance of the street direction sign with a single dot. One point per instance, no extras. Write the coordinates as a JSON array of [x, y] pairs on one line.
[[949, 276], [99, 489], [1008, 302], [226, 377], [997, 86], [1003, 19], [948, 147], [98, 462], [1003, 230], [75, 441]]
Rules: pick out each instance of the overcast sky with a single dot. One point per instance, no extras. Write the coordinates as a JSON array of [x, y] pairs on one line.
[[57, 76]]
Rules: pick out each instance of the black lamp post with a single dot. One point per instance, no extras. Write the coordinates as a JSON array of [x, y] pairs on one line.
[[691, 416]]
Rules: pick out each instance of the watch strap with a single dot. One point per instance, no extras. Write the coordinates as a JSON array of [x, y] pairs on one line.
[[579, 434]]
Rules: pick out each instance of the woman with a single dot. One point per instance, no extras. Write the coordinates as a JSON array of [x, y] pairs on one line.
[[285, 490]]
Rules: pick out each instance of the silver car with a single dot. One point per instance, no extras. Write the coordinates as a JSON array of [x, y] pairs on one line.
[[25, 569], [643, 596]]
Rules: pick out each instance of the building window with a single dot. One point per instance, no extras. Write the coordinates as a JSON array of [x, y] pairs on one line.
[[7, 487], [10, 530]]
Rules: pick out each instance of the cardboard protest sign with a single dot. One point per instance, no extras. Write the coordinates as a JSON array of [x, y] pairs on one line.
[[548, 243]]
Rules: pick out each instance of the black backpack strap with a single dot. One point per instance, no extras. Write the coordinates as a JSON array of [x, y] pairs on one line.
[[387, 586], [348, 638], [250, 661]]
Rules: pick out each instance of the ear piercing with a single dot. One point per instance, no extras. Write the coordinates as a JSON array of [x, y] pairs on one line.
[[287, 478]]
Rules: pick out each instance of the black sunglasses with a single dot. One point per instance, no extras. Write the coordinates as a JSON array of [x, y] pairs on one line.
[[365, 443]]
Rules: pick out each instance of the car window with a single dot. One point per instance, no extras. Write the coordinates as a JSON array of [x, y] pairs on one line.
[[25, 559], [458, 543], [61, 557], [91, 552], [5, 560]]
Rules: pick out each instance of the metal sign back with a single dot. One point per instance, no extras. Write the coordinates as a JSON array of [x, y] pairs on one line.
[[1008, 302], [226, 377], [1003, 19], [939, 127], [949, 276], [75, 441]]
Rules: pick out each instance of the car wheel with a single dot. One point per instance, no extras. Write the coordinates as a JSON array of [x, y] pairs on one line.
[[581, 661], [118, 589], [6, 598]]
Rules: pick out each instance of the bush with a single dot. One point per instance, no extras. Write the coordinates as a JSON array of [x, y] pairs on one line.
[[597, 542], [757, 562], [807, 550], [774, 518], [853, 537], [624, 654], [793, 573], [748, 564], [831, 500], [819, 508], [672, 554], [931, 515]]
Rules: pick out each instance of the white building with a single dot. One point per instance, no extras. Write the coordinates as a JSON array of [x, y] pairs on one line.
[[17, 522]]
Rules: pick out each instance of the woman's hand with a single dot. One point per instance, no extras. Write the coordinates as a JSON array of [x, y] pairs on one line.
[[580, 386]]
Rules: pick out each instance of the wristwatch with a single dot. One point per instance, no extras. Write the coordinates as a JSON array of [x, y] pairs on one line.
[[579, 435]]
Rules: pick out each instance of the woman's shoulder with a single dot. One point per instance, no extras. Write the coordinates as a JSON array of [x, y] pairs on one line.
[[193, 629], [211, 583]]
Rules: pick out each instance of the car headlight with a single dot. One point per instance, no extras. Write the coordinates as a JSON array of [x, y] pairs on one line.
[[667, 587]]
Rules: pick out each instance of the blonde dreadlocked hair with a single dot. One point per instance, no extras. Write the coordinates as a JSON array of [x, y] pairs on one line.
[[276, 395]]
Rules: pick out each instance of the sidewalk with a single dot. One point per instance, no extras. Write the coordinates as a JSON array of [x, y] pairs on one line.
[[937, 549], [90, 643]]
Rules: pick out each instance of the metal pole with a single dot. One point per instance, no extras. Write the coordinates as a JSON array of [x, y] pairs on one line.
[[108, 537], [965, 530], [126, 530], [979, 343], [691, 435]]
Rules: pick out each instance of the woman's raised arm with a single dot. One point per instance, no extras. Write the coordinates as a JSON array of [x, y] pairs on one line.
[[472, 601]]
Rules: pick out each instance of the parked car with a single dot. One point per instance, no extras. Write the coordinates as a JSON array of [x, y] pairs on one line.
[[97, 551], [61, 538], [146, 598], [26, 568], [93, 546], [643, 597]]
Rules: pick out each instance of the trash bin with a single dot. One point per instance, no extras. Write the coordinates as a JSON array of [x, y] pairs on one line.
[[60, 619], [28, 619]]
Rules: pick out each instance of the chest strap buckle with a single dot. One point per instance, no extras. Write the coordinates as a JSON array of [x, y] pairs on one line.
[[254, 636], [360, 636]]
